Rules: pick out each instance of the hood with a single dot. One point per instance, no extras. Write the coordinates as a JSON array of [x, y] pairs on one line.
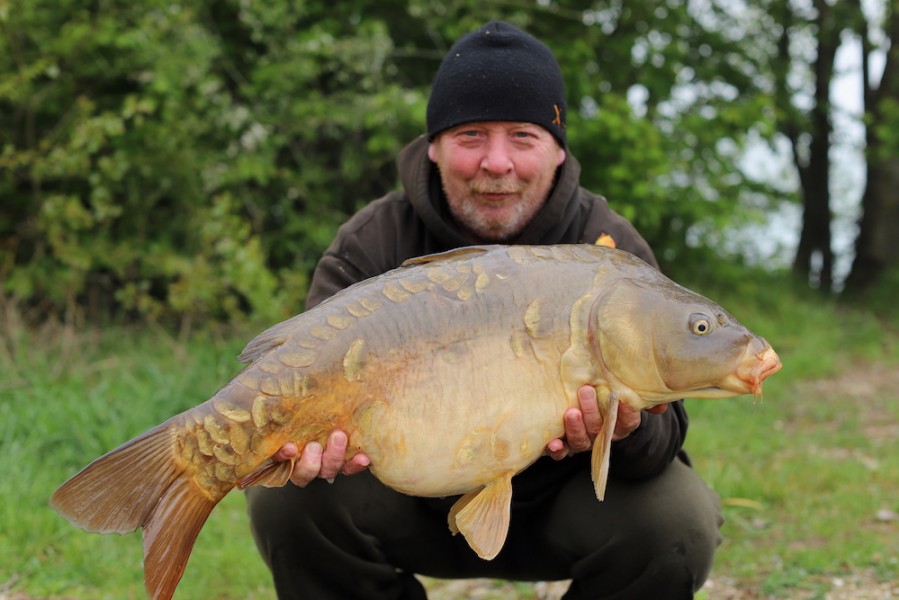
[[421, 182]]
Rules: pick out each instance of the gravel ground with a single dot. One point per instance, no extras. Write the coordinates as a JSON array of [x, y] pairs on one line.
[[860, 586]]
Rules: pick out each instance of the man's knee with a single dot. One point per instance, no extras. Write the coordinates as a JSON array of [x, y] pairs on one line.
[[646, 538], [676, 526]]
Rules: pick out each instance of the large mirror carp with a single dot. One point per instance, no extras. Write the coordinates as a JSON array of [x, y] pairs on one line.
[[451, 373]]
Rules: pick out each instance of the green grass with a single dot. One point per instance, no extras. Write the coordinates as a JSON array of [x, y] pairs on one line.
[[65, 400], [803, 474]]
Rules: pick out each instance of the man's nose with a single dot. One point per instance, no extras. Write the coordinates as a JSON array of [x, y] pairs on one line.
[[497, 159]]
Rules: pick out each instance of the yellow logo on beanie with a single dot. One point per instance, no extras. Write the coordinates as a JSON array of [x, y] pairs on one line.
[[558, 119], [605, 240]]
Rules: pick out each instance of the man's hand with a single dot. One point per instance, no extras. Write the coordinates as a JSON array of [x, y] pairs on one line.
[[315, 462], [584, 424]]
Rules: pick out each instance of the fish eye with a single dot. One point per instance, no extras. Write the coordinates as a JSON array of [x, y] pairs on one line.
[[700, 324]]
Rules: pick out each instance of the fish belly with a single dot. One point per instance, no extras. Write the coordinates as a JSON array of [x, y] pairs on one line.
[[445, 429]]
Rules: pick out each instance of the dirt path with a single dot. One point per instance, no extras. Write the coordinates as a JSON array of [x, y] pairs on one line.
[[861, 586]]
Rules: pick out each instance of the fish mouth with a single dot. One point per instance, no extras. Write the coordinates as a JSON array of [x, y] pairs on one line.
[[761, 366], [755, 366]]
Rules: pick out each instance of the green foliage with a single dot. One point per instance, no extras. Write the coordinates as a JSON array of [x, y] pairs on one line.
[[145, 147], [65, 398], [885, 128]]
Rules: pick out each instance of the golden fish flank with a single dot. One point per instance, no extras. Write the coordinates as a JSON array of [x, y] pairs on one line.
[[395, 292], [204, 442], [499, 447], [231, 412], [481, 283], [473, 378], [307, 342], [261, 414], [270, 386], [224, 472], [357, 310], [438, 276], [271, 367], [295, 385], [353, 360], [454, 352], [532, 317], [470, 447], [323, 332], [465, 292], [520, 254], [240, 439], [248, 379], [225, 456], [300, 358], [370, 304], [218, 433], [520, 343], [341, 322], [455, 282], [415, 286]]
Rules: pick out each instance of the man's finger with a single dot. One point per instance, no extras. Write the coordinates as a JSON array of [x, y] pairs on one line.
[[357, 464], [286, 452], [308, 467], [575, 431], [334, 456], [557, 449], [586, 396]]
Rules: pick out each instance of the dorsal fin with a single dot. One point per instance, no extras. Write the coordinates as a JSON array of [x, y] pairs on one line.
[[269, 339], [450, 255]]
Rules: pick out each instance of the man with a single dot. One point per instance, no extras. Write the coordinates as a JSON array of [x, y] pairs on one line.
[[492, 168]]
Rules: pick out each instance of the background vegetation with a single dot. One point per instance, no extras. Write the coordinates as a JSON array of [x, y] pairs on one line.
[[170, 173], [190, 161]]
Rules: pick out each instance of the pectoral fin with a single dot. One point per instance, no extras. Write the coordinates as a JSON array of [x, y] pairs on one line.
[[268, 474], [602, 446], [483, 517]]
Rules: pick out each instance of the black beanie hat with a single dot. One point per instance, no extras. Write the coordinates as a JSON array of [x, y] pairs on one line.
[[498, 73]]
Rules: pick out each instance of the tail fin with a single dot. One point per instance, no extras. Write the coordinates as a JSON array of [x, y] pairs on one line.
[[140, 484]]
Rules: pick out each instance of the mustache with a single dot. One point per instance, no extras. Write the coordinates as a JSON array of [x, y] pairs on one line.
[[496, 186]]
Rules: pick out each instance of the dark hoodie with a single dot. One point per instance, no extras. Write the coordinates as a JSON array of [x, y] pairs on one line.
[[415, 221]]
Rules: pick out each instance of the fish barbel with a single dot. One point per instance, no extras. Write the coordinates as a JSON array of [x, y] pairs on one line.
[[451, 373]]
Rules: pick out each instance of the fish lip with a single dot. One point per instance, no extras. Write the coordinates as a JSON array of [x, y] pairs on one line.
[[766, 363]]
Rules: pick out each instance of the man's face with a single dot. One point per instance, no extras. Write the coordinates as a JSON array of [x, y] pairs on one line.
[[496, 175]]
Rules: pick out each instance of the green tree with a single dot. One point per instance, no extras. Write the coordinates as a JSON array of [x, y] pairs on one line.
[[802, 40], [191, 161]]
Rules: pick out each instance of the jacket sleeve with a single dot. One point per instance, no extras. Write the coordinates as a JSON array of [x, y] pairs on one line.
[[358, 251], [373, 241], [652, 446], [332, 274]]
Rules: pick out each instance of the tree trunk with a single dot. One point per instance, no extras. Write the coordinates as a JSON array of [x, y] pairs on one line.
[[814, 255], [877, 244]]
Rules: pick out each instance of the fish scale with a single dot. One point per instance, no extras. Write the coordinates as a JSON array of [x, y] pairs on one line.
[[451, 373]]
